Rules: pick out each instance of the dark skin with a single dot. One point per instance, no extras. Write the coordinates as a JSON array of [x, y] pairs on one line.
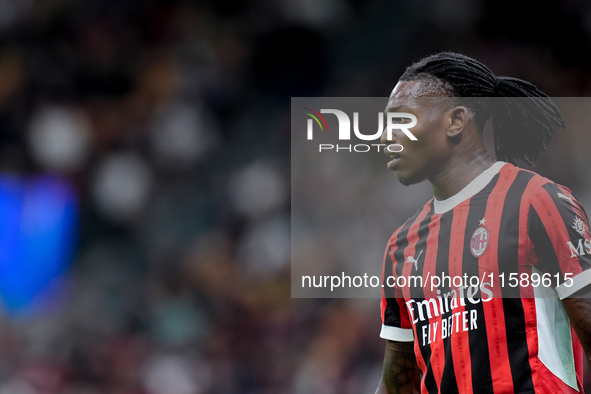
[[401, 372], [450, 153], [578, 309]]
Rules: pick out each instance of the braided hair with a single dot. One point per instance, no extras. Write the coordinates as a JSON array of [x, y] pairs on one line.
[[523, 118]]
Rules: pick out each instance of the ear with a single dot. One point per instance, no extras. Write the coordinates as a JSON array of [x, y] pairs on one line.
[[458, 118]]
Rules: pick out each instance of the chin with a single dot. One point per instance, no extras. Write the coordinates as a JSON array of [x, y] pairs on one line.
[[407, 180]]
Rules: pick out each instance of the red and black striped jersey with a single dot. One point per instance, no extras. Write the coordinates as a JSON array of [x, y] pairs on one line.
[[476, 281]]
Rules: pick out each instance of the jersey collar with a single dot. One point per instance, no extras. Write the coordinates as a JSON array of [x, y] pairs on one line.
[[477, 184]]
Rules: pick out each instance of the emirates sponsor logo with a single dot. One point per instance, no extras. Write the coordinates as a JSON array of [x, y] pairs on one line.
[[444, 307]]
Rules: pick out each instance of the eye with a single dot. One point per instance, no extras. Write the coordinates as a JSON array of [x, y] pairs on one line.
[[400, 120]]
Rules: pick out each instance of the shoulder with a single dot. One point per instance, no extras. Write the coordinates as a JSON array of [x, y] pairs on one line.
[[542, 188], [522, 190], [534, 185], [548, 198], [522, 175]]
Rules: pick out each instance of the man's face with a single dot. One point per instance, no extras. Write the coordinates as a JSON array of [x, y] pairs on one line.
[[424, 158]]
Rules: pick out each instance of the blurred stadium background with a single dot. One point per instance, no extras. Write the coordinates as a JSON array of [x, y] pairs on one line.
[[144, 180]]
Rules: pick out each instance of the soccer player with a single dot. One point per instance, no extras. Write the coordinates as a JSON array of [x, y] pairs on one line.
[[519, 327]]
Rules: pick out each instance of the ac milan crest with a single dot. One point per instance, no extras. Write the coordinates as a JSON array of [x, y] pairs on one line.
[[479, 241]]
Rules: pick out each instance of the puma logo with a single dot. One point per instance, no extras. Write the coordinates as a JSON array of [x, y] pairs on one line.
[[569, 197], [411, 259]]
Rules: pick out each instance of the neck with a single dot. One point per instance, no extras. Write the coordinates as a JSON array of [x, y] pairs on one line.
[[459, 173]]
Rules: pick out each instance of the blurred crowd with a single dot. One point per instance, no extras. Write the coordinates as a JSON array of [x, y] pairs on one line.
[[170, 119]]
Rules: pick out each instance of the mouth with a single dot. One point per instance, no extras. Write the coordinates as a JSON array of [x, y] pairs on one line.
[[394, 157]]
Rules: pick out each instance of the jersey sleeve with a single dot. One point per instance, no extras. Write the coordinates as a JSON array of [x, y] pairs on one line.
[[559, 230], [396, 325]]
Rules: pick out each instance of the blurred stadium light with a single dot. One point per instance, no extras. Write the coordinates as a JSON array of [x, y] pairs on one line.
[[37, 226]]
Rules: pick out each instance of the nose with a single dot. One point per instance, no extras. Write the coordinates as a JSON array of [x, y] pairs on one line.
[[384, 137]]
